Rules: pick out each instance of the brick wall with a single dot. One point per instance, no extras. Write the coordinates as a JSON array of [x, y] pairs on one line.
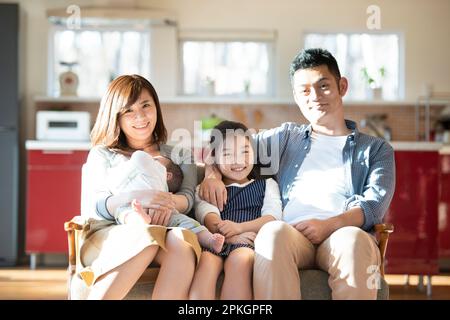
[[400, 118]]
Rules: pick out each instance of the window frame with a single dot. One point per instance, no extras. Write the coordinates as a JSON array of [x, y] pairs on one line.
[[230, 36], [53, 28], [401, 54]]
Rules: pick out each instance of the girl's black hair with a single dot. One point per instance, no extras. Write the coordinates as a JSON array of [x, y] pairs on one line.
[[225, 128]]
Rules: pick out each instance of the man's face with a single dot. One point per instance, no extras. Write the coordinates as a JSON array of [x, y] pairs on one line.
[[318, 95]]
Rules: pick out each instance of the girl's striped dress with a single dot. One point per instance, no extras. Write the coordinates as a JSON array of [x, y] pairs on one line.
[[243, 204]]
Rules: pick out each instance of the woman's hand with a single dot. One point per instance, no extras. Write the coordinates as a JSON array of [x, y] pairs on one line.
[[245, 238], [152, 199], [160, 217], [229, 228]]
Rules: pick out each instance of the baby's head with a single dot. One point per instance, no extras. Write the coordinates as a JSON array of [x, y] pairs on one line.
[[174, 173], [232, 149]]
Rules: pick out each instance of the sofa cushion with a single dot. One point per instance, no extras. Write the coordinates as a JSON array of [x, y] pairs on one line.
[[313, 284]]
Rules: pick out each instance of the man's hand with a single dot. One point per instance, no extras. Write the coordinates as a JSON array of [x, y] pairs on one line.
[[213, 190], [315, 230], [246, 238], [229, 228]]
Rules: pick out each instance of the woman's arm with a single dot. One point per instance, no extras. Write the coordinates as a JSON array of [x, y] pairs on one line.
[[94, 191], [97, 200], [184, 198], [181, 202]]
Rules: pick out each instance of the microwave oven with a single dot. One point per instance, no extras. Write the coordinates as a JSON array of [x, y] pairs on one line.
[[63, 125]]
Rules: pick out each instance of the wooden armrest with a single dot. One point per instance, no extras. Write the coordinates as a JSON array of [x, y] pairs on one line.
[[383, 230], [76, 224]]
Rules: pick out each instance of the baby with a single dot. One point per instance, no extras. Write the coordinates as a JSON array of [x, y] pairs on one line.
[[162, 174]]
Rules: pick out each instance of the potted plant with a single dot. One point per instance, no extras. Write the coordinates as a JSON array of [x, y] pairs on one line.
[[374, 82], [247, 84], [210, 86]]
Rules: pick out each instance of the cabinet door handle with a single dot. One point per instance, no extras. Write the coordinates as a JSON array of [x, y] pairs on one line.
[[7, 128], [57, 151]]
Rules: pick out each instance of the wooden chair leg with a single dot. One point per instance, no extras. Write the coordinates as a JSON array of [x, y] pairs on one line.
[[72, 227]]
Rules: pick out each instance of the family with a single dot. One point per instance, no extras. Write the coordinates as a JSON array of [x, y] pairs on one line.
[[313, 205]]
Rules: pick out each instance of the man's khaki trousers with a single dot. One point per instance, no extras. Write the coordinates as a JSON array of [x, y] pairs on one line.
[[349, 255]]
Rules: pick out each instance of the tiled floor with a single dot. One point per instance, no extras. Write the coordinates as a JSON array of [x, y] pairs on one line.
[[50, 283]]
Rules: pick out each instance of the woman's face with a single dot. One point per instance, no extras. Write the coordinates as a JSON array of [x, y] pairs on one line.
[[139, 121], [235, 158]]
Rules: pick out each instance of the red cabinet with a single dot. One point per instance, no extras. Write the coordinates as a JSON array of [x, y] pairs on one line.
[[413, 247], [53, 197], [444, 206]]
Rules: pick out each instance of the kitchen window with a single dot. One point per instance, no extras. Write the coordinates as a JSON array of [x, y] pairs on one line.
[[98, 53], [368, 61], [226, 63]]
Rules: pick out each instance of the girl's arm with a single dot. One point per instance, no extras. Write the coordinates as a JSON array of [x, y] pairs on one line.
[[229, 228], [256, 224], [271, 210], [211, 221]]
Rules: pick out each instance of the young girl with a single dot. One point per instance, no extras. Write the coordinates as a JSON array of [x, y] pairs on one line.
[[251, 203]]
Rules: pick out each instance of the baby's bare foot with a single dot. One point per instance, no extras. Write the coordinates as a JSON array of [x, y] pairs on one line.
[[137, 206], [217, 240]]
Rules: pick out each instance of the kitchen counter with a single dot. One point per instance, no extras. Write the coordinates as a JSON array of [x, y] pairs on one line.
[[445, 149], [57, 145], [86, 145], [416, 146]]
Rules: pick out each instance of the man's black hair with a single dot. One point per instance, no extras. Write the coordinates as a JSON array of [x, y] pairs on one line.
[[314, 57]]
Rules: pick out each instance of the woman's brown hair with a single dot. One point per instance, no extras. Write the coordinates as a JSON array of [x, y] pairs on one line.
[[123, 92]]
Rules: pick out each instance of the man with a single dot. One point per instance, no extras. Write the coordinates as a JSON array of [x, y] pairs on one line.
[[335, 184]]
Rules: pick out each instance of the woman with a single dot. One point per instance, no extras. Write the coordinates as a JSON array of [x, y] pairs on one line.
[[115, 253]]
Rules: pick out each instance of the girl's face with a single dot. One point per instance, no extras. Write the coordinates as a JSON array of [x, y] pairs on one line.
[[235, 159], [138, 122]]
